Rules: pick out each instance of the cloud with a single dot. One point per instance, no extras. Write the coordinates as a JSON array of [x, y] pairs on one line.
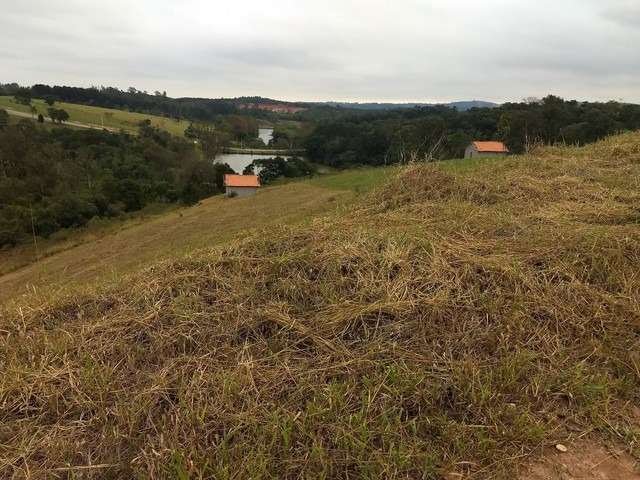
[[625, 13], [405, 50]]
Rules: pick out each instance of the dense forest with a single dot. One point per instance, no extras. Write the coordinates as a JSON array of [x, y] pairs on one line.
[[376, 138], [60, 178]]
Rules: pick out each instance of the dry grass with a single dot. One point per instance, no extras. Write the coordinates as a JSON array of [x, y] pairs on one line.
[[452, 322], [105, 253]]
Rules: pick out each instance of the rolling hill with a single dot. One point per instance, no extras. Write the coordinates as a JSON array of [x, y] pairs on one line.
[[457, 321], [98, 117]]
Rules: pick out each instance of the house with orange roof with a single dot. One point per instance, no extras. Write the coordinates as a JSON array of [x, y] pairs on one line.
[[241, 185], [486, 149]]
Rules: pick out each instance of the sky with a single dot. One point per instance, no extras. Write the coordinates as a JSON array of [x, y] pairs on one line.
[[342, 50]]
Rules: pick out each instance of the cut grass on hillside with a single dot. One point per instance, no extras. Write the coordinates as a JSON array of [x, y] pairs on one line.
[[98, 116], [119, 247], [14, 258], [449, 325], [359, 180], [82, 255]]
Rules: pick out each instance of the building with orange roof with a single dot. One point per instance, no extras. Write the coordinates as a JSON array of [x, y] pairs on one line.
[[486, 149], [241, 185]]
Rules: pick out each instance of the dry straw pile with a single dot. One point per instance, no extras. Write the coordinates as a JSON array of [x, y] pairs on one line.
[[456, 320]]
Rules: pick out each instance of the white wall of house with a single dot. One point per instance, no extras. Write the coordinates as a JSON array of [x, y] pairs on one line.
[[241, 191], [472, 152]]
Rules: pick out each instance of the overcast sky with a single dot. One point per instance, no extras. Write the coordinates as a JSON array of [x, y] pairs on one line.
[[355, 50]]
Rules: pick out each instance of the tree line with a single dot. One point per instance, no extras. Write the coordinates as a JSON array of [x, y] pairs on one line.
[[141, 101], [271, 169], [343, 139], [58, 178]]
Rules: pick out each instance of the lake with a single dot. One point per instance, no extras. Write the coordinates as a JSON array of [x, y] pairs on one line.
[[238, 161]]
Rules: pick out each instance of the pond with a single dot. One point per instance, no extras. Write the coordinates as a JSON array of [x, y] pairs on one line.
[[238, 161]]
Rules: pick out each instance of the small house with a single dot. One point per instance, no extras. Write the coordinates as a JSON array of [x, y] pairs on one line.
[[241, 185], [486, 149]]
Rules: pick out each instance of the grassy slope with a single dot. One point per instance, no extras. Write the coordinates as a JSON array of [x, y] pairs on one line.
[[454, 321], [110, 249], [108, 117]]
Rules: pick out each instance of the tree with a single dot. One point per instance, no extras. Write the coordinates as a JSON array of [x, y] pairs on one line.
[[211, 140], [40, 118], [58, 115], [202, 179], [33, 110], [63, 116], [457, 143], [531, 100], [270, 168], [23, 96], [190, 132], [298, 167], [49, 100], [521, 129], [53, 114]]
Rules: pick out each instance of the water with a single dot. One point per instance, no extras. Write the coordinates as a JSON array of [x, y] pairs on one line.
[[266, 135], [238, 161]]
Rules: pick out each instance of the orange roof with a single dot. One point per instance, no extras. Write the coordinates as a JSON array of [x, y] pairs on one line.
[[492, 147], [241, 181]]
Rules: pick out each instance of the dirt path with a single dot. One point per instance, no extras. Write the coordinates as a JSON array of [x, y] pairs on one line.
[[16, 113], [584, 461]]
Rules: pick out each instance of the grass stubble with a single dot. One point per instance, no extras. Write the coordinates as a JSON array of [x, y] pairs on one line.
[[451, 322]]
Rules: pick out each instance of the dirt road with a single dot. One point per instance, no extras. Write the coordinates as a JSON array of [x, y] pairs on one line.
[[16, 113]]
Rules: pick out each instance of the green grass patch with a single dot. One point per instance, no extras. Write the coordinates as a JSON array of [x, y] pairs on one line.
[[357, 180], [98, 116]]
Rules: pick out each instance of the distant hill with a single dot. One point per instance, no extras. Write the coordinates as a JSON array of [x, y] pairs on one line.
[[461, 105], [198, 109], [91, 116]]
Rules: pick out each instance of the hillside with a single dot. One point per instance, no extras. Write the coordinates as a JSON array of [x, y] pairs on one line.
[[98, 117], [110, 248], [456, 322]]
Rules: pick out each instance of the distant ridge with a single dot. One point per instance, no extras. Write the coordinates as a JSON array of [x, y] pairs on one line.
[[461, 105]]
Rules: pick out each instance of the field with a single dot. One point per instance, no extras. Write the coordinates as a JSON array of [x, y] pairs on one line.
[[97, 116], [452, 321]]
